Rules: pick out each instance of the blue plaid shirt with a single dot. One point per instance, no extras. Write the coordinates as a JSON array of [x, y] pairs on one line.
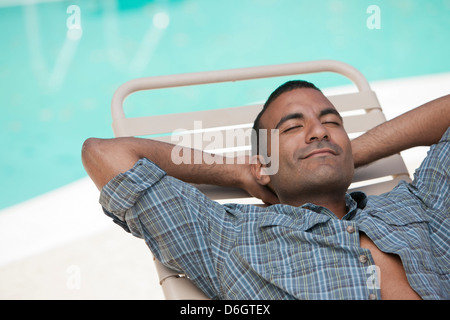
[[237, 251]]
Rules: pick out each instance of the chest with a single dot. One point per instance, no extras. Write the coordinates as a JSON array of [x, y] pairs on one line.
[[390, 275]]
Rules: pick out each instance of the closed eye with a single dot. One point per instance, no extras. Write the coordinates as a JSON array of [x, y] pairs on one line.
[[292, 128], [332, 123]]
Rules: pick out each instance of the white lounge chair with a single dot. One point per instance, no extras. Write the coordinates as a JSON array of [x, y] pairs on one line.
[[376, 178]]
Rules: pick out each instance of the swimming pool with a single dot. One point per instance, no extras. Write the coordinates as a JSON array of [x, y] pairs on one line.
[[61, 61]]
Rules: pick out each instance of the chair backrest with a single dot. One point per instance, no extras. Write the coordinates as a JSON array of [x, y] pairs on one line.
[[361, 111]]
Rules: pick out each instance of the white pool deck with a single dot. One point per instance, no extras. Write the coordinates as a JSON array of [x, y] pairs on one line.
[[61, 246]]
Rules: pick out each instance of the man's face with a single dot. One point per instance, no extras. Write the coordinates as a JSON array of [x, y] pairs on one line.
[[314, 149]]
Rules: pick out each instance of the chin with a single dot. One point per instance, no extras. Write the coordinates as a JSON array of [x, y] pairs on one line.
[[329, 176]]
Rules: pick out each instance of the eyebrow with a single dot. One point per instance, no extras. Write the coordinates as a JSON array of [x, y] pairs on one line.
[[289, 117], [300, 116], [324, 112]]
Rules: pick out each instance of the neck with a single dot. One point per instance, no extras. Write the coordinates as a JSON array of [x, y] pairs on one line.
[[335, 204]]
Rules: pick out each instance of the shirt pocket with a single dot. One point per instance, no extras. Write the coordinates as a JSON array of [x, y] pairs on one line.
[[400, 213], [406, 232]]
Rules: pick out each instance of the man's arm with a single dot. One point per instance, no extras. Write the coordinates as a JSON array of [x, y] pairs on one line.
[[103, 159], [422, 126]]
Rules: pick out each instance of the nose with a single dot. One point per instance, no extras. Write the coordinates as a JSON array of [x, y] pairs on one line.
[[317, 132]]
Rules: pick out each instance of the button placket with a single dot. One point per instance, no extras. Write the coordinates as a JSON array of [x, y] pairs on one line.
[[351, 232], [364, 256]]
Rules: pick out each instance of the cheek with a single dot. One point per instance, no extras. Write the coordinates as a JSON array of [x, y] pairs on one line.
[[289, 166], [341, 138], [286, 149]]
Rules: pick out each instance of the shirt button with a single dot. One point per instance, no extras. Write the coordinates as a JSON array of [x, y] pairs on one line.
[[372, 296], [363, 258], [350, 229]]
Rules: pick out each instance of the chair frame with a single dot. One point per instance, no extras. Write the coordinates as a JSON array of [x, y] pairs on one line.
[[176, 285]]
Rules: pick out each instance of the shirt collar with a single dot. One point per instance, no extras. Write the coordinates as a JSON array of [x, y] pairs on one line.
[[354, 201]]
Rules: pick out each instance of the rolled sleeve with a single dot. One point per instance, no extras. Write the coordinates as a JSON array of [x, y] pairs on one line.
[[173, 218], [431, 179], [122, 192]]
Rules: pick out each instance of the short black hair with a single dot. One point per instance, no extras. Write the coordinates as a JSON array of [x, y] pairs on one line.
[[285, 87]]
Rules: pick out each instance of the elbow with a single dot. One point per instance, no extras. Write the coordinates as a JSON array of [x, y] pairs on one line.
[[91, 154], [94, 156], [89, 145], [103, 159], [89, 148]]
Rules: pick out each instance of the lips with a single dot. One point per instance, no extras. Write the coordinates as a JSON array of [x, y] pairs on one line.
[[320, 153]]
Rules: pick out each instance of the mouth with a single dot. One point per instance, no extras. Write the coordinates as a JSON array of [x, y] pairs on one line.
[[320, 153]]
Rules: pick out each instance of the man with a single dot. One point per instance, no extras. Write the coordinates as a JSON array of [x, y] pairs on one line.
[[315, 241]]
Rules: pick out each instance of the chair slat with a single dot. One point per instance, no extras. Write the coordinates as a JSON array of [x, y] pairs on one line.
[[379, 188], [161, 124], [355, 101], [364, 122], [389, 166]]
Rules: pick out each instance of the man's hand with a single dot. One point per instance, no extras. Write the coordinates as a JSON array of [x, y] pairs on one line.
[[103, 159], [248, 182]]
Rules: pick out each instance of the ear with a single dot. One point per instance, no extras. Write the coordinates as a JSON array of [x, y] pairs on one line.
[[259, 170]]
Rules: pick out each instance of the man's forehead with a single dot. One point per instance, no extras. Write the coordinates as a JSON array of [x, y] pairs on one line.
[[306, 101]]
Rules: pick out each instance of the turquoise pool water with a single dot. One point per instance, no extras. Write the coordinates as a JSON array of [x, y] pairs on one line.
[[56, 87]]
